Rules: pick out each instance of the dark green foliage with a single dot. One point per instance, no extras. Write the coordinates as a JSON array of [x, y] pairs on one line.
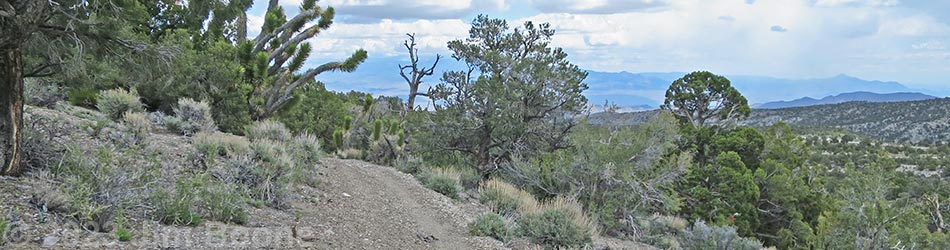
[[490, 225], [553, 229], [700, 96], [723, 192], [316, 111], [443, 185], [490, 116]]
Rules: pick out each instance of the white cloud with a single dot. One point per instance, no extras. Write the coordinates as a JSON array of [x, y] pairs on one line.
[[402, 9], [385, 37], [597, 6]]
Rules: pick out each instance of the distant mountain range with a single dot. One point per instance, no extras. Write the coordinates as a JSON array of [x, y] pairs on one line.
[[847, 97], [635, 89], [631, 91]]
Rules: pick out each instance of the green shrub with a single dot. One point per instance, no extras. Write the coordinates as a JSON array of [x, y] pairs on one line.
[[116, 102], [224, 203], [444, 185], [268, 129], [175, 207], [702, 236], [409, 164], [4, 229], [84, 96], [557, 224], [490, 225], [123, 234], [193, 117]]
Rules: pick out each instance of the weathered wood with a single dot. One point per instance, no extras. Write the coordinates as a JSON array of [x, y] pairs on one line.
[[11, 110]]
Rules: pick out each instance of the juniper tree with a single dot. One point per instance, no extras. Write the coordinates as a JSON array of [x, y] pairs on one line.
[[274, 58], [517, 96], [36, 39]]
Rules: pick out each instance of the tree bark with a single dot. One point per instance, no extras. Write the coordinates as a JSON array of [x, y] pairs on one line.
[[11, 110]]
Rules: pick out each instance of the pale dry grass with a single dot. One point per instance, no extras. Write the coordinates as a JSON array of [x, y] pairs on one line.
[[450, 173], [527, 204], [574, 210]]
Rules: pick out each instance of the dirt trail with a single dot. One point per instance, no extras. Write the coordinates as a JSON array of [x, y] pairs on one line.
[[371, 207]]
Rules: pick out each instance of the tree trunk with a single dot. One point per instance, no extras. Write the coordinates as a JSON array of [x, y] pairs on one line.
[[11, 110]]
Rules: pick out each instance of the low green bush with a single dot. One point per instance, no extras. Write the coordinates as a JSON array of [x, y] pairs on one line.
[[490, 225], [123, 234], [444, 185], [557, 224], [116, 102]]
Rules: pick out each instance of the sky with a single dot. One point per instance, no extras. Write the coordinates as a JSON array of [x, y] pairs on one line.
[[890, 40]]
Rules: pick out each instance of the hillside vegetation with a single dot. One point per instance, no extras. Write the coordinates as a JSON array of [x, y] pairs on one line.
[[926, 121]]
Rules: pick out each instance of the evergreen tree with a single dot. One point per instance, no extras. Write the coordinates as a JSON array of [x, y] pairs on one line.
[[517, 96]]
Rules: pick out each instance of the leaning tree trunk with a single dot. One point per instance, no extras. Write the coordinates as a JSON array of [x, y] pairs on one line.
[[11, 110]]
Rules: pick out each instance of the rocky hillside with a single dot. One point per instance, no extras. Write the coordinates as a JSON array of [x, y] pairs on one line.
[[924, 121], [918, 121]]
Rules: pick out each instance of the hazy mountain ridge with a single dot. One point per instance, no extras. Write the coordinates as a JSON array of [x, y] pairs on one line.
[[848, 97], [631, 91], [914, 121]]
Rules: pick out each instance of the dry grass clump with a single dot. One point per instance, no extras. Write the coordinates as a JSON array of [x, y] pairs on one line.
[[268, 129], [138, 127], [506, 199]]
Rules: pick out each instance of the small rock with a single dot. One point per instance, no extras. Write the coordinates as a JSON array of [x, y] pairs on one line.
[[50, 240], [346, 195]]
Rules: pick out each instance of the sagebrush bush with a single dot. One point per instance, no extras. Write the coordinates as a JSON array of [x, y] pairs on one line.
[[116, 102], [702, 236], [504, 198], [138, 126], [220, 144], [490, 225], [306, 150], [267, 172], [409, 164], [557, 224], [443, 184], [193, 117], [268, 129]]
